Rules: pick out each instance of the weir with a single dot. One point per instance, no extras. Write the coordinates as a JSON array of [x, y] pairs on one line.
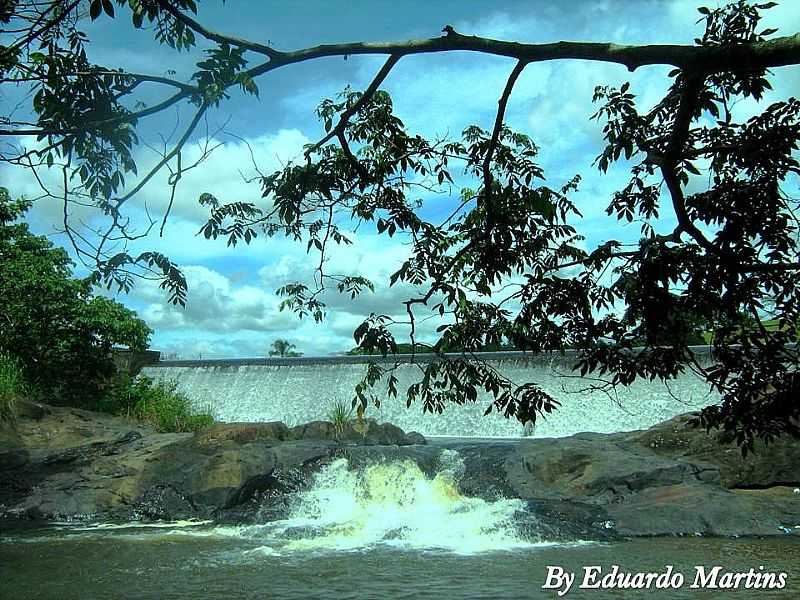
[[299, 390]]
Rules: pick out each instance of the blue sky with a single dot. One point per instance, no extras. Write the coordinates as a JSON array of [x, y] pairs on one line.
[[232, 308]]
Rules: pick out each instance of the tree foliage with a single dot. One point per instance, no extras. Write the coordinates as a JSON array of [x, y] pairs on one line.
[[508, 266], [61, 334], [284, 349]]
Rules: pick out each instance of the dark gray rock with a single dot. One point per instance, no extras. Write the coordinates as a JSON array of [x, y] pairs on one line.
[[365, 432], [65, 463], [775, 463]]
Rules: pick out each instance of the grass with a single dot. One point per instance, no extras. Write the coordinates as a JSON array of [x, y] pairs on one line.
[[158, 403], [340, 415], [12, 386]]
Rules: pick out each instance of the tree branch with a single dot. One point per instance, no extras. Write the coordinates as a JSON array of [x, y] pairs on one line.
[[338, 130], [704, 59], [217, 37], [672, 155], [498, 125], [167, 157]]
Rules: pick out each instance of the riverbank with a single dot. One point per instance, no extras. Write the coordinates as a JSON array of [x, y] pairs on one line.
[[63, 464]]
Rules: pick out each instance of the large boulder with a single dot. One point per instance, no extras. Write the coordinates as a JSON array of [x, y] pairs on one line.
[[366, 432], [776, 463], [597, 466], [670, 479], [242, 433], [62, 464]]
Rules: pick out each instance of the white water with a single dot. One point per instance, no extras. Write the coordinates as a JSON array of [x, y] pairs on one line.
[[386, 504], [395, 504], [307, 392]]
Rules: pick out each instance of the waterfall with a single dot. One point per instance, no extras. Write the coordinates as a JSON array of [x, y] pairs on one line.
[[306, 390], [392, 504], [385, 503]]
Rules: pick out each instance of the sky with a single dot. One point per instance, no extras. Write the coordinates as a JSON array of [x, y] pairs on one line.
[[232, 309]]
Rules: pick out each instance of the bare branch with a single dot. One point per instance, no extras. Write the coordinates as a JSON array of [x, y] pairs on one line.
[[498, 125], [708, 59]]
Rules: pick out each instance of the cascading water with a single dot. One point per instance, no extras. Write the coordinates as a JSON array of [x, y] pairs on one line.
[[388, 504], [393, 504], [307, 391]]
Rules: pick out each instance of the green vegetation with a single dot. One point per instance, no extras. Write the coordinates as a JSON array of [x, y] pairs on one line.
[[60, 345], [340, 416], [156, 402], [60, 333], [716, 229], [12, 387], [284, 348]]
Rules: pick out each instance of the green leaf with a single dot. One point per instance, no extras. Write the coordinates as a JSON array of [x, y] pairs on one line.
[[95, 8]]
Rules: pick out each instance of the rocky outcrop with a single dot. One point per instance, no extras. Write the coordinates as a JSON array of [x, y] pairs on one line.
[[62, 464], [670, 479]]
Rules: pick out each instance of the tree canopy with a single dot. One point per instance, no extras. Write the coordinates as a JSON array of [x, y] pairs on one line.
[[284, 349], [507, 266], [61, 333]]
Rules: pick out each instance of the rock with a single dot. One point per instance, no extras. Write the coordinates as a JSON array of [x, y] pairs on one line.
[[415, 438], [364, 432], [67, 464], [777, 463], [565, 521], [242, 433], [693, 509], [601, 467], [26, 409]]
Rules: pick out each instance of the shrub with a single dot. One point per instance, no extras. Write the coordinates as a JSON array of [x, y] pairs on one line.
[[12, 386], [156, 402], [61, 333]]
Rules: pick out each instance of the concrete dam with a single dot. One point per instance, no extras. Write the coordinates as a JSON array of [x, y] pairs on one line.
[[298, 390]]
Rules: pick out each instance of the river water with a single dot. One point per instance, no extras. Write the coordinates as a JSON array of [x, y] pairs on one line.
[[172, 563], [381, 531]]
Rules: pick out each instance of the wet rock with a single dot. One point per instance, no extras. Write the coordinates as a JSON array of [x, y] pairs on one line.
[[69, 464], [159, 503], [564, 521]]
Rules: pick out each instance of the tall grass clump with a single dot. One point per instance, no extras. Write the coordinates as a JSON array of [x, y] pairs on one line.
[[340, 415], [12, 386], [158, 403]]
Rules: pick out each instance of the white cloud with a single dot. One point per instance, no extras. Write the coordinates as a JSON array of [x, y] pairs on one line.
[[216, 305]]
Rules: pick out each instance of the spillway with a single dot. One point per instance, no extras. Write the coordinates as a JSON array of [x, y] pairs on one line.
[[305, 389]]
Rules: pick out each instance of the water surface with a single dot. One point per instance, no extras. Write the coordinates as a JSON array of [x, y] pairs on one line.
[[207, 563]]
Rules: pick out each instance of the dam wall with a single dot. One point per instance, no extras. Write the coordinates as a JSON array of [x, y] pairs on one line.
[[298, 390]]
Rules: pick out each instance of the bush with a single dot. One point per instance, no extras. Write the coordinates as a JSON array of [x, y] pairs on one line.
[[156, 402], [61, 333], [12, 387]]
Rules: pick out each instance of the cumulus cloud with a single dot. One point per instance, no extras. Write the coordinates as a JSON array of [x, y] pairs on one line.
[[216, 305]]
